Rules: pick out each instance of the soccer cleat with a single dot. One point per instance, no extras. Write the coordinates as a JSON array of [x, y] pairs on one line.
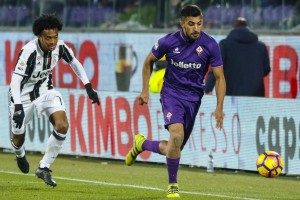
[[44, 173], [139, 139], [23, 164], [173, 191]]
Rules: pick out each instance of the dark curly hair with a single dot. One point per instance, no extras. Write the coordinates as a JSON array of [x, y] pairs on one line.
[[46, 21]]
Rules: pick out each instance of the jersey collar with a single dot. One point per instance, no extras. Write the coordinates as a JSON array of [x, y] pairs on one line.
[[40, 48], [185, 38]]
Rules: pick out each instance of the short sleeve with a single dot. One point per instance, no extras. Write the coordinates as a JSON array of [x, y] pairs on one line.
[[65, 52], [215, 58], [25, 58], [159, 48]]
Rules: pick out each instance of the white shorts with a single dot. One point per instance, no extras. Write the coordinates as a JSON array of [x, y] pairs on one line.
[[47, 104]]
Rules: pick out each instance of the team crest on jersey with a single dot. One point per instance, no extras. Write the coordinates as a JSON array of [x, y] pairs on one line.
[[169, 115], [156, 45], [54, 59], [199, 50]]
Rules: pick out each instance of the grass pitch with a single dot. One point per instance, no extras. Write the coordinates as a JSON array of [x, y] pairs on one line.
[[90, 178]]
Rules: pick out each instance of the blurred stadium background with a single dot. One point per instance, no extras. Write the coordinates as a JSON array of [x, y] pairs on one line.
[[99, 31], [276, 16]]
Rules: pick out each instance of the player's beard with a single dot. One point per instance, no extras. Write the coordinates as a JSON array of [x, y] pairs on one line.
[[195, 35]]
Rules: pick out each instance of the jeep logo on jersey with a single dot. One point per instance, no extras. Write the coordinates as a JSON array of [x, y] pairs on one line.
[[185, 65], [41, 74]]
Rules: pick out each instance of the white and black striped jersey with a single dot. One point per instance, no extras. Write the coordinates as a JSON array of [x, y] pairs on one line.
[[35, 66]]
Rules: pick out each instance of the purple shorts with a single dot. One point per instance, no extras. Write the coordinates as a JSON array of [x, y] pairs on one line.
[[179, 111]]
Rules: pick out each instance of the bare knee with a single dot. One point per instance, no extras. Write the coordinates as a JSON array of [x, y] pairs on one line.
[[177, 141], [61, 127], [18, 140], [176, 138], [176, 135]]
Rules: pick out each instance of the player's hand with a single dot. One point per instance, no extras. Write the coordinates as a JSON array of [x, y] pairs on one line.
[[143, 98], [92, 93], [219, 116], [19, 115]]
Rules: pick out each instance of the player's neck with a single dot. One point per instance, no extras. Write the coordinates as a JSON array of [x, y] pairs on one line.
[[45, 52]]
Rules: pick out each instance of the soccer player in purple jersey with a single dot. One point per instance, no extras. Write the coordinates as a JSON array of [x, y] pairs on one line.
[[189, 53]]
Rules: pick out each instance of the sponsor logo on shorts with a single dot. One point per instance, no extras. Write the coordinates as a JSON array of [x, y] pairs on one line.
[[181, 64], [169, 115], [156, 45]]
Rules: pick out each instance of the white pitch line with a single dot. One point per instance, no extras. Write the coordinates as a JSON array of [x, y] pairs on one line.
[[131, 186]]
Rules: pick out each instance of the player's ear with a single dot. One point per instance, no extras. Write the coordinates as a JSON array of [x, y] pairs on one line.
[[182, 23]]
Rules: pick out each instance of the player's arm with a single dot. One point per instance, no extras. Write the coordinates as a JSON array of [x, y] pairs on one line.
[[220, 92], [146, 73], [80, 72], [15, 89], [209, 83], [67, 54], [20, 72]]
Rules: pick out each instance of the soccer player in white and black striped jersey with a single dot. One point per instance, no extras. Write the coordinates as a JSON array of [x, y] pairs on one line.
[[31, 88]]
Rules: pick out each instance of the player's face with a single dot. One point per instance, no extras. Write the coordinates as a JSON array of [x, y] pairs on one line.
[[48, 39], [192, 26]]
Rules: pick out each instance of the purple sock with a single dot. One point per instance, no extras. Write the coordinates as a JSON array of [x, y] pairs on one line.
[[172, 165], [151, 145]]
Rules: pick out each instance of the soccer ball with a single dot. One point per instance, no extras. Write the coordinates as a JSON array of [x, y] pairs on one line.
[[269, 164]]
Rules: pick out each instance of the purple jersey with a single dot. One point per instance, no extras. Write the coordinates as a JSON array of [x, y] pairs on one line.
[[188, 63]]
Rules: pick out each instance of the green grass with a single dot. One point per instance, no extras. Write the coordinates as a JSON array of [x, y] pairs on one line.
[[90, 178]]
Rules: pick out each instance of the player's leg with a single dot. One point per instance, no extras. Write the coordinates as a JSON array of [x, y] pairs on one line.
[[183, 119], [136, 149], [155, 146], [58, 118], [54, 144], [141, 144], [173, 164], [173, 153], [189, 121], [17, 143], [56, 139], [18, 136]]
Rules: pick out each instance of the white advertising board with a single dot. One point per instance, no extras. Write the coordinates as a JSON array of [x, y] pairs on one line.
[[251, 125], [111, 58]]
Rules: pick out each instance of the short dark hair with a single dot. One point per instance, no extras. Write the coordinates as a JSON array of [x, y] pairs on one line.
[[190, 10], [46, 21], [240, 22]]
